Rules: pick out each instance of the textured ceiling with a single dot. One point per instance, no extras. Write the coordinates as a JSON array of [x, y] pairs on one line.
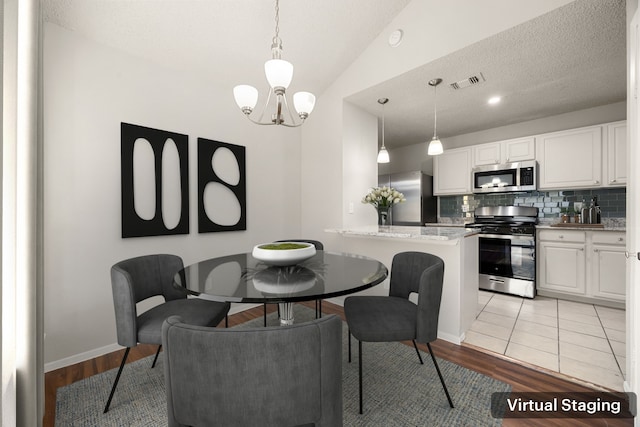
[[569, 59]]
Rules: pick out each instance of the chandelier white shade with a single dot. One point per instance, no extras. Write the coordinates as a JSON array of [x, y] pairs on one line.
[[435, 146], [246, 96], [383, 154], [304, 102], [279, 74]]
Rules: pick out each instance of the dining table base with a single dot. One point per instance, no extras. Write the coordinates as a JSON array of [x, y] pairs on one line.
[[286, 313]]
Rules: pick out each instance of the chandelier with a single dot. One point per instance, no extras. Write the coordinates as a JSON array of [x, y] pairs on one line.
[[279, 74]]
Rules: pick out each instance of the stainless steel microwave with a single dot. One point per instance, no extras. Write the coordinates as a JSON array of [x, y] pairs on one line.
[[505, 178]]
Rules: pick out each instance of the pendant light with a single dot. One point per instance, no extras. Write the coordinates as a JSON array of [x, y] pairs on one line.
[[279, 74], [435, 146], [383, 154]]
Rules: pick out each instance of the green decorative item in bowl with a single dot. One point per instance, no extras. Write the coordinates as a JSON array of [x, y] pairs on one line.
[[283, 253]]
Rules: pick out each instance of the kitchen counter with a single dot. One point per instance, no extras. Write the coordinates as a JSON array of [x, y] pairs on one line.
[[449, 234], [458, 248]]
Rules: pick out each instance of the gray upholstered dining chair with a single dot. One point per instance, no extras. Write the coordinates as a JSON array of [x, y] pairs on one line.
[[136, 279], [319, 247], [276, 376], [395, 317]]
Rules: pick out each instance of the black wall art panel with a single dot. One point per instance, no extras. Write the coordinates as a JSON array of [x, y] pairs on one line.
[[222, 195], [159, 176]]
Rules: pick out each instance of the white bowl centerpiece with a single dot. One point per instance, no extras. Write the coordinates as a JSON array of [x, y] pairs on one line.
[[283, 253]]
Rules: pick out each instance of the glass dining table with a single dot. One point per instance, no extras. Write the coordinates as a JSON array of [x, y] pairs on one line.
[[241, 278]]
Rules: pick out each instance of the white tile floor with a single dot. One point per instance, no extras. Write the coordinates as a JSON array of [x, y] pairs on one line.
[[583, 341]]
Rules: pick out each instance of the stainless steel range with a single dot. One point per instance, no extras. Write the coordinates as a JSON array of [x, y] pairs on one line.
[[507, 255]]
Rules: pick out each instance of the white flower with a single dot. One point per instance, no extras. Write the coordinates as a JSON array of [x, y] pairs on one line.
[[383, 197]]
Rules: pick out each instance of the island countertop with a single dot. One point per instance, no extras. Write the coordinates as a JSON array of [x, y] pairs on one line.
[[408, 232]]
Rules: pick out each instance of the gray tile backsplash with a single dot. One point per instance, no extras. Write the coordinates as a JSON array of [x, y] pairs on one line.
[[612, 202]]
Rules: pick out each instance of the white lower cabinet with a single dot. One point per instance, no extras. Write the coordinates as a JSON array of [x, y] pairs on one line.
[[585, 264], [561, 261], [608, 266]]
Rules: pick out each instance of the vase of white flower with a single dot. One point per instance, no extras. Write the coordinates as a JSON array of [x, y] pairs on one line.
[[383, 199]]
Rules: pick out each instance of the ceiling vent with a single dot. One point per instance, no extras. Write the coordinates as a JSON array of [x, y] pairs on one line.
[[469, 81]]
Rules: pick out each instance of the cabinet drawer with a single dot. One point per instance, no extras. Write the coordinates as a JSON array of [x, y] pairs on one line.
[[562, 235], [609, 238]]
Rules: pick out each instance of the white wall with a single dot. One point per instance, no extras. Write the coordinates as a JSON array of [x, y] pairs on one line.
[[89, 90], [360, 142], [432, 29]]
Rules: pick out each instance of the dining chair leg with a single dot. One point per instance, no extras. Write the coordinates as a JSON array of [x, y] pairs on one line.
[[349, 343], [226, 320], [360, 373], [417, 351], [265, 314], [318, 308], [155, 359], [115, 383], [440, 375]]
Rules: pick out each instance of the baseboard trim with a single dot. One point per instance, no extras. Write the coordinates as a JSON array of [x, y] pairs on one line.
[[81, 357], [101, 351]]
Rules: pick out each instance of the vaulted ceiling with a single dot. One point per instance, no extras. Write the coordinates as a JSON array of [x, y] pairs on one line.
[[568, 59]]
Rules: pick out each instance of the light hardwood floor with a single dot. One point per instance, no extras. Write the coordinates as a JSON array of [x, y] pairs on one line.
[[521, 378]]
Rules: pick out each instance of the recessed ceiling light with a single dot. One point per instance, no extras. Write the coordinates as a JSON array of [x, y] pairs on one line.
[[395, 38], [494, 100]]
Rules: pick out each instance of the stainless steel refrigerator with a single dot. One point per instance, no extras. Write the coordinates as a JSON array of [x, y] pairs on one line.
[[421, 206]]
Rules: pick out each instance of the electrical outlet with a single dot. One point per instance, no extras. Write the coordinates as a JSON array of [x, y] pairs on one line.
[[351, 207], [465, 208]]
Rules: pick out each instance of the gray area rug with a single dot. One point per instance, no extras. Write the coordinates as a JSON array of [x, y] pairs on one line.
[[398, 391]]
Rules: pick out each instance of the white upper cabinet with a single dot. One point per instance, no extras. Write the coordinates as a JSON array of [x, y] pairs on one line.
[[452, 172], [616, 153], [570, 159], [487, 154], [512, 150]]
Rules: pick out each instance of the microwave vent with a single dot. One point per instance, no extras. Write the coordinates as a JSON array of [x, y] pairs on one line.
[[469, 81]]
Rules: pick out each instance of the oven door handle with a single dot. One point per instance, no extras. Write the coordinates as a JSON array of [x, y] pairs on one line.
[[513, 238]]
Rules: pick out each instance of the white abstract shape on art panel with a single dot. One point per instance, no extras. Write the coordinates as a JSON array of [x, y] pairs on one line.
[[171, 192], [225, 165], [220, 204], [144, 179]]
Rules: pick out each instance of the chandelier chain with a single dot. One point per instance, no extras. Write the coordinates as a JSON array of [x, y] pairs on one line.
[[276, 38]]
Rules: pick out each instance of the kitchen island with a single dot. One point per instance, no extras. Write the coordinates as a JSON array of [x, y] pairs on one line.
[[457, 246]]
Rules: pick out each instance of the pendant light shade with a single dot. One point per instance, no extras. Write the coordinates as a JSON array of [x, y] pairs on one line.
[[435, 146], [383, 154]]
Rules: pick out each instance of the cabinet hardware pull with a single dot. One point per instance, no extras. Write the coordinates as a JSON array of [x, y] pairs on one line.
[[612, 181], [595, 250], [596, 182], [628, 254], [620, 239]]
